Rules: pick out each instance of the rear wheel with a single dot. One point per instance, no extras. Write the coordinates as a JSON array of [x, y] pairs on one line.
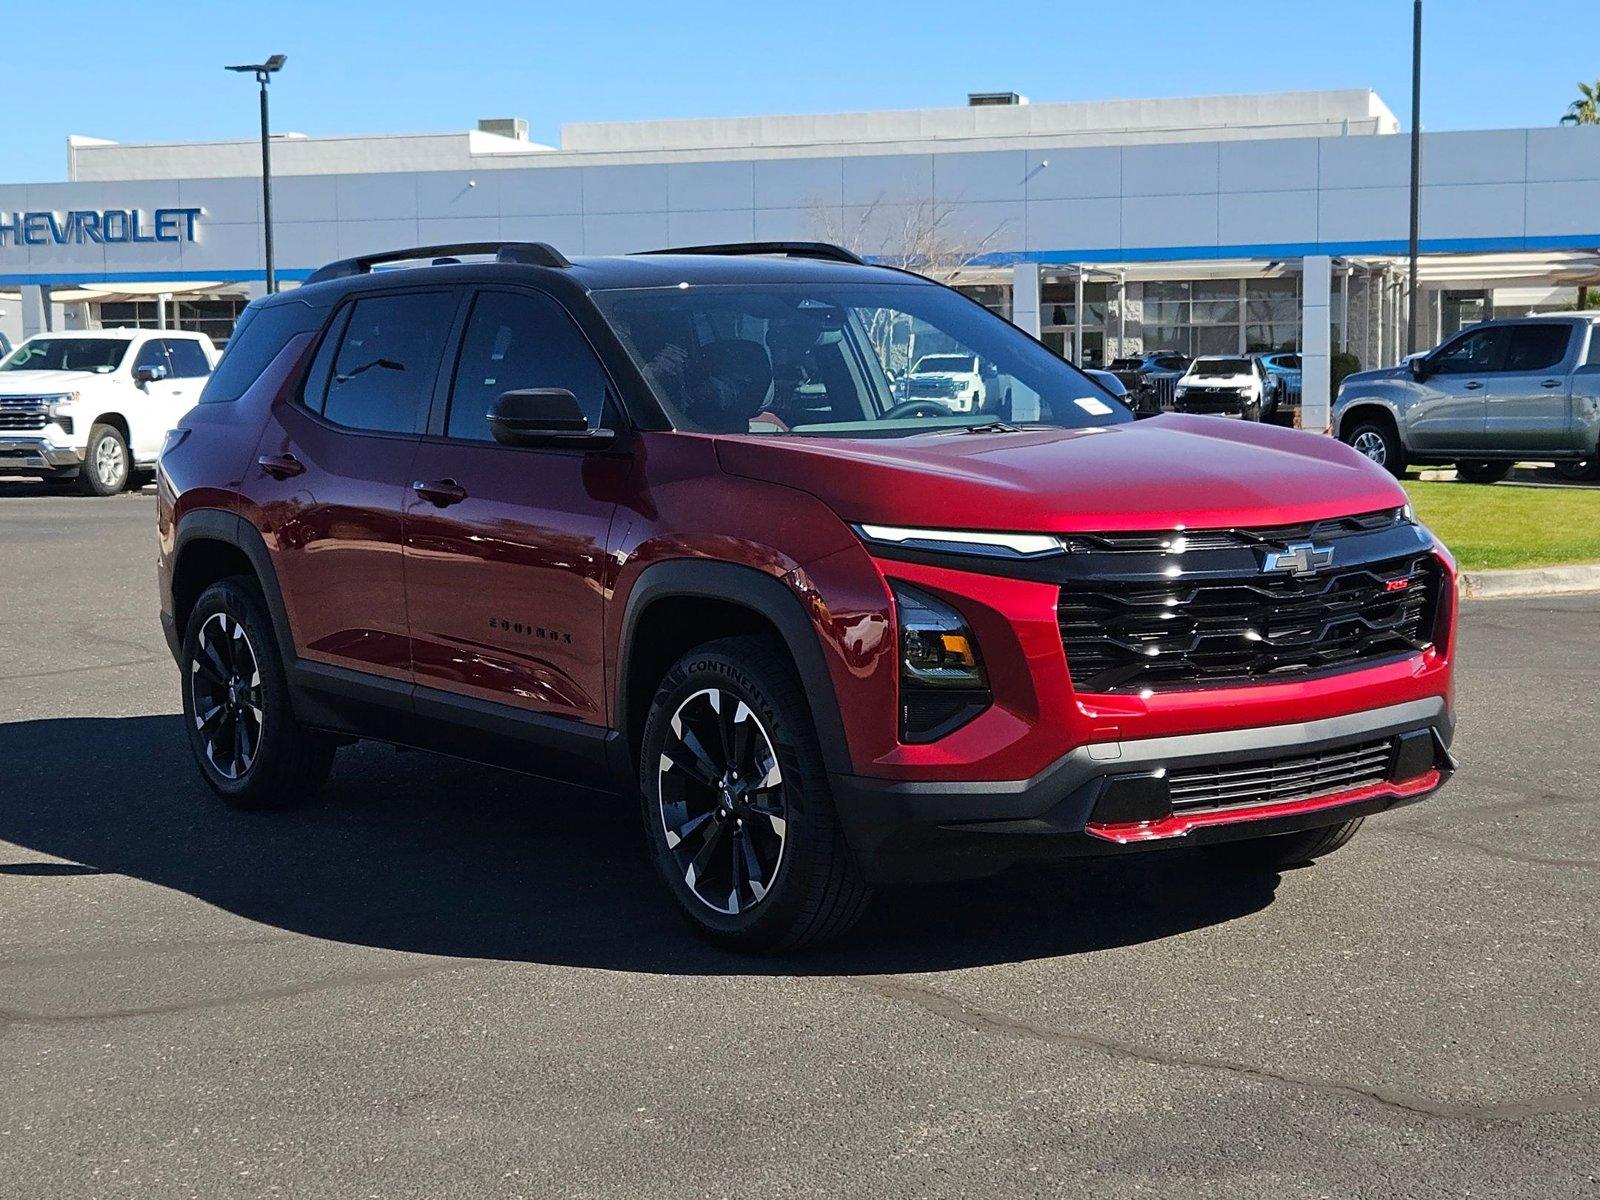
[[1482, 471], [106, 462], [736, 806], [236, 705], [1377, 440], [1287, 849], [1579, 472]]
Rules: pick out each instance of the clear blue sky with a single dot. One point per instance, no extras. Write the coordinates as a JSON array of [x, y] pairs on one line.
[[153, 70]]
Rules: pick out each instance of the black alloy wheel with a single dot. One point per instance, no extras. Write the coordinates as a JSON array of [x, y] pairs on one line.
[[734, 793], [227, 702], [724, 815]]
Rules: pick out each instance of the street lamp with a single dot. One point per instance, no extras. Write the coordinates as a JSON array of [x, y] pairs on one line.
[[264, 73], [1416, 170]]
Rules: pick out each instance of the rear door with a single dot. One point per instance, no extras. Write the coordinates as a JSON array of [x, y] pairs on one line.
[[505, 563], [1530, 398], [331, 475], [1451, 406]]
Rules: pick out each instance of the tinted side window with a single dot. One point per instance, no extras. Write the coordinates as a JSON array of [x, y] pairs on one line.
[[1475, 353], [188, 359], [153, 354], [1537, 347], [1594, 347], [263, 330], [520, 340], [384, 369]]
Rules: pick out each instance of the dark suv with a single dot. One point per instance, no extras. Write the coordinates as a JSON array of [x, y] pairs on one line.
[[664, 524]]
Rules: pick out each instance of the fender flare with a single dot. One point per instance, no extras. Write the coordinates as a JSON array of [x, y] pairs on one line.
[[763, 594], [218, 525], [1359, 403]]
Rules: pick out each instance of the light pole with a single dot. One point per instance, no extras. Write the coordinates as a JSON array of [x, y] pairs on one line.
[[1416, 170], [264, 73]]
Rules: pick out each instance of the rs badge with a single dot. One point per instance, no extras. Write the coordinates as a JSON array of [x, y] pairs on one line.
[[1299, 558]]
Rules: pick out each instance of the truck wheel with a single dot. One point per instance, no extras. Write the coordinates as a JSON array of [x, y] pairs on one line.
[[736, 807], [236, 707], [1287, 849], [1481, 471], [1378, 441], [1579, 472], [106, 462]]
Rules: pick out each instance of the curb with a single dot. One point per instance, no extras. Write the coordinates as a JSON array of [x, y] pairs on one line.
[[1536, 581]]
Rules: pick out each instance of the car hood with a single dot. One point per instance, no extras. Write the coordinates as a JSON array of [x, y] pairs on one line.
[[1401, 372], [36, 383], [1168, 472], [1217, 380]]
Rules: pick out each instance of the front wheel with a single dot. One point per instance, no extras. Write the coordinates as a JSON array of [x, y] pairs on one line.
[[1482, 471], [737, 813], [106, 462], [1379, 442], [1579, 472]]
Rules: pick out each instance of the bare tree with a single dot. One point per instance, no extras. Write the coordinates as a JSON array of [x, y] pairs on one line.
[[915, 235]]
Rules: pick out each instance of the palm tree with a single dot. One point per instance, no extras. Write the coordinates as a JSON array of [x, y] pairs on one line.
[[1585, 110]]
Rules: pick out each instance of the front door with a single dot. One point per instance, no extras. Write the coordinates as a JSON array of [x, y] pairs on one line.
[[1452, 403], [330, 475], [1530, 398], [164, 400], [505, 546]]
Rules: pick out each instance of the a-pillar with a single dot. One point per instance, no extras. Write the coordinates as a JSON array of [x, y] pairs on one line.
[[1316, 341], [1025, 303]]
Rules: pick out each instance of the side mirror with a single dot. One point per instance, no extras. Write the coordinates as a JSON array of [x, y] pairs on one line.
[[543, 417], [1419, 368], [144, 376]]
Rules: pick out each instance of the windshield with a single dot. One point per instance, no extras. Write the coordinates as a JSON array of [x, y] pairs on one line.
[[1220, 367], [100, 355], [836, 360], [953, 364]]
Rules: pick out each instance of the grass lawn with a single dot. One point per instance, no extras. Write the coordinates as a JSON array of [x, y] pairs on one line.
[[1498, 525]]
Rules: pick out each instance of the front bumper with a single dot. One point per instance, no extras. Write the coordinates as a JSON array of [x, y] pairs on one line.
[[35, 454], [1110, 797]]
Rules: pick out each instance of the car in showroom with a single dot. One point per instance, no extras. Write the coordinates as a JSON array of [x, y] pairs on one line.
[[1231, 385], [1523, 389], [90, 408], [659, 524]]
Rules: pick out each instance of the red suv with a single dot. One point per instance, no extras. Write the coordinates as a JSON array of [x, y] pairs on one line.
[[673, 523]]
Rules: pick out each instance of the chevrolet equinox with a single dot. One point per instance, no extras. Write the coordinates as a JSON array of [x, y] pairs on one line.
[[674, 524]]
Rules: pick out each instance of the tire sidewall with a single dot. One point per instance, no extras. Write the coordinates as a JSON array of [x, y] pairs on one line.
[[89, 476], [1394, 452], [239, 600], [808, 820]]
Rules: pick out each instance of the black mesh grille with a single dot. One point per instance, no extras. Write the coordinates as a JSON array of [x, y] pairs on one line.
[[1127, 636], [1304, 777], [1228, 539]]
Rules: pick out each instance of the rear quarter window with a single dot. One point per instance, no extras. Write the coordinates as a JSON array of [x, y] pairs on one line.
[[262, 332]]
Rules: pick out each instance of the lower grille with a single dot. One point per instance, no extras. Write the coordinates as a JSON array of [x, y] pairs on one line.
[[1301, 778], [1124, 635]]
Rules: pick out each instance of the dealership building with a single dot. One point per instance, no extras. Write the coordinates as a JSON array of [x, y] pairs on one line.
[[1207, 225]]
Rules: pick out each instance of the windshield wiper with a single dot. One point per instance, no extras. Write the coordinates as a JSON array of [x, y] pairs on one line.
[[991, 427]]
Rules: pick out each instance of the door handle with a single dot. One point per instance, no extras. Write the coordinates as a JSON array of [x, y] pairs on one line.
[[1473, 386], [281, 466], [1551, 383], [441, 492]]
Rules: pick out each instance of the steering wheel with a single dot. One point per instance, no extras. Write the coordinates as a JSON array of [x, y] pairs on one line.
[[917, 408]]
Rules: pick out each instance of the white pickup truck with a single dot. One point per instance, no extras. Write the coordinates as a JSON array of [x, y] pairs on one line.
[[94, 407]]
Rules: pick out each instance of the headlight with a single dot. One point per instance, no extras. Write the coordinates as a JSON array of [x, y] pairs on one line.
[[1409, 514], [942, 681], [957, 541], [55, 405]]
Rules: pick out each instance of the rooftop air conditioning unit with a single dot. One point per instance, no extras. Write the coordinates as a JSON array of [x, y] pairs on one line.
[[511, 127], [990, 99]]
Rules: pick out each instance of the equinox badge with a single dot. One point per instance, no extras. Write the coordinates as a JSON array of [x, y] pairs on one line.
[[1299, 558]]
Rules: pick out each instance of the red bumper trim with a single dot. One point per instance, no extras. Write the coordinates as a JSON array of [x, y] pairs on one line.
[[1182, 823]]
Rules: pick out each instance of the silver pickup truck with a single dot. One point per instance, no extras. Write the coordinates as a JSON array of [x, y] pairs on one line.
[[1520, 390]]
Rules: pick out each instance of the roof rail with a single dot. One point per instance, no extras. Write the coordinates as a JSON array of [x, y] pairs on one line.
[[825, 251], [533, 254]]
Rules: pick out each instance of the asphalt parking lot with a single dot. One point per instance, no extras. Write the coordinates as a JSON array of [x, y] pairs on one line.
[[442, 980]]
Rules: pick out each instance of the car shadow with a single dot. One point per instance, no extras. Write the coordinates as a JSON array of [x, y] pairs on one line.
[[425, 854]]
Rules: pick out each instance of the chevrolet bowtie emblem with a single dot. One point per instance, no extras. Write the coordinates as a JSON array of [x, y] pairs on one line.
[[1299, 558]]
